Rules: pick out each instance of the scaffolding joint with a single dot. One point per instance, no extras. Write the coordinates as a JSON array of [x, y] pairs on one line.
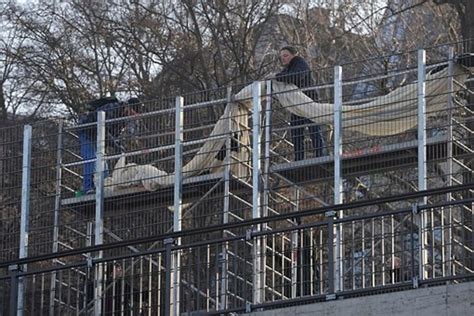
[[331, 297], [415, 282], [248, 307], [414, 208], [332, 214], [169, 241], [14, 268], [222, 258], [89, 262], [248, 234]]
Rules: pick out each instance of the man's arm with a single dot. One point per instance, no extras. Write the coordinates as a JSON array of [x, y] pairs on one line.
[[296, 73]]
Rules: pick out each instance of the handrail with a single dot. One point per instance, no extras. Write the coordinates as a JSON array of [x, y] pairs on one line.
[[214, 228]]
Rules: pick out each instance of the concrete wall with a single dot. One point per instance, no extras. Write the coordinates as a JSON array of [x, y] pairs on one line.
[[446, 300]]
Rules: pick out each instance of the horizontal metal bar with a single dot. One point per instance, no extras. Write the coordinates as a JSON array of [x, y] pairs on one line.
[[309, 212]]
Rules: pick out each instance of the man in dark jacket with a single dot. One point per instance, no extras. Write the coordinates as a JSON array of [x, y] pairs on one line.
[[87, 135], [296, 71]]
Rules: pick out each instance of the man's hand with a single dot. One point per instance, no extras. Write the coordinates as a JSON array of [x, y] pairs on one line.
[[270, 76]]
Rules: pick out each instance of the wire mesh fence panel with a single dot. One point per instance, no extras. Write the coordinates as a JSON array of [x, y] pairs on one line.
[[379, 251], [11, 156], [5, 295]]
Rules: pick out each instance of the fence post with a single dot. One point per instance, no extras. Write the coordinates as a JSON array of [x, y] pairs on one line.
[[222, 260], [447, 218], [256, 202], [267, 140], [14, 269], [57, 207], [168, 244], [330, 244], [178, 192], [422, 159], [224, 284], [413, 217], [25, 212], [99, 208], [338, 197], [99, 175]]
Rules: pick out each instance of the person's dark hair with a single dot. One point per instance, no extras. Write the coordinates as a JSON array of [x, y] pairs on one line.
[[134, 103], [291, 49], [97, 103]]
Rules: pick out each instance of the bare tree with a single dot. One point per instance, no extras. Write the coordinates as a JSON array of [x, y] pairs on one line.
[[464, 9], [58, 55]]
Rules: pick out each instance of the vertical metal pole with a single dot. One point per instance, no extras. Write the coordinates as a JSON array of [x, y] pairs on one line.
[[392, 253], [267, 140], [266, 169], [228, 158], [168, 290], [382, 249], [99, 207], [372, 252], [13, 270], [412, 245], [338, 197], [57, 205], [257, 262], [422, 158], [89, 232], [227, 162], [363, 254], [178, 190], [25, 212], [99, 176], [447, 218], [294, 248], [353, 261], [330, 244]]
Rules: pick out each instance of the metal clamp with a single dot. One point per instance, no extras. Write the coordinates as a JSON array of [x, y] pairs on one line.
[[248, 307], [248, 234], [331, 297], [14, 268], [415, 282], [414, 208], [330, 214], [89, 262], [222, 258]]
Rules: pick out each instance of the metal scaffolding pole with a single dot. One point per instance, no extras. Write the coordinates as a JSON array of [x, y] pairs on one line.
[[267, 140], [294, 248], [99, 208], [258, 284], [447, 218], [265, 176], [178, 192], [57, 206], [25, 213], [422, 159], [338, 197], [223, 260]]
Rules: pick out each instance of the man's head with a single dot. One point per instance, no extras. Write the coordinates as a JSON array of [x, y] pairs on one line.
[[97, 103], [118, 271], [287, 53], [134, 105]]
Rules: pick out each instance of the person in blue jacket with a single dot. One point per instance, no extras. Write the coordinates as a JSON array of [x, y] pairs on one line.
[[296, 71], [88, 135]]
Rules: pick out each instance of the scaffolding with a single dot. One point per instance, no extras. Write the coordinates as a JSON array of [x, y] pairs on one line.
[[254, 227]]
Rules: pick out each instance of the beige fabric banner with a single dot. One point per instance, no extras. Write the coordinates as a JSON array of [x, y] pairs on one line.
[[390, 114]]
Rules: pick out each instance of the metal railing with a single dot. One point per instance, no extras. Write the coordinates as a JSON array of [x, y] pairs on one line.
[[381, 252]]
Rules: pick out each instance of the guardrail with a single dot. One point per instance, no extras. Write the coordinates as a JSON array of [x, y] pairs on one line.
[[381, 252]]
